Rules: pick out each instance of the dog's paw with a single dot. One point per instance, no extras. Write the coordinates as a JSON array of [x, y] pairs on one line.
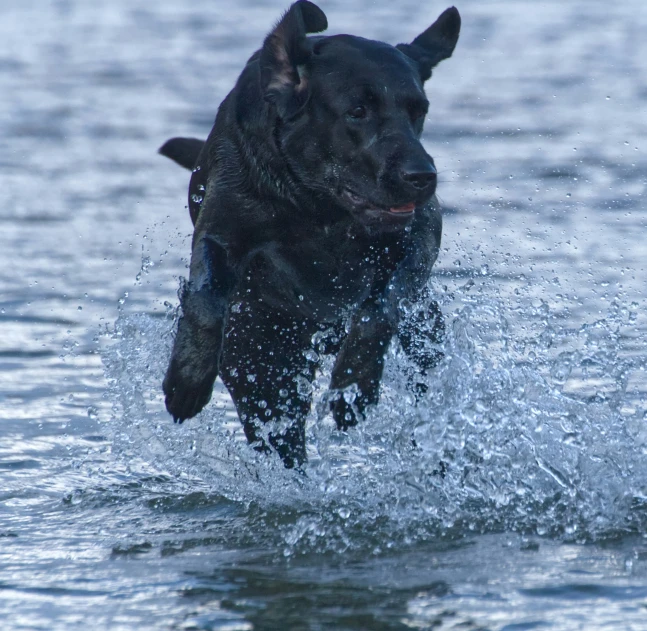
[[185, 395]]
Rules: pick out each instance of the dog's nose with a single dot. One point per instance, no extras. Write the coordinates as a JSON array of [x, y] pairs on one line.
[[419, 174]]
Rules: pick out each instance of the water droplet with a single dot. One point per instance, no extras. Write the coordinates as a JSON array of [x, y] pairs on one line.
[[304, 387], [311, 356]]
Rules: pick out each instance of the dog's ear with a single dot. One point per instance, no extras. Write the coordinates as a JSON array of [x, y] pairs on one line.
[[436, 43], [284, 50], [184, 151]]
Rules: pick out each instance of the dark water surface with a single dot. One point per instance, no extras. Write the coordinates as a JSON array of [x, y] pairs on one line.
[[113, 518]]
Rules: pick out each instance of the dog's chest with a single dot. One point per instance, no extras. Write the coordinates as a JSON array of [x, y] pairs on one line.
[[318, 277]]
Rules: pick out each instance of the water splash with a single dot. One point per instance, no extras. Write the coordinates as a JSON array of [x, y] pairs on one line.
[[530, 423]]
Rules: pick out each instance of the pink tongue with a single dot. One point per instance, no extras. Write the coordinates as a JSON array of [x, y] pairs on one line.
[[407, 208]]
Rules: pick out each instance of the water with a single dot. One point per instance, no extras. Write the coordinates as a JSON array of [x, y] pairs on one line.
[[514, 496]]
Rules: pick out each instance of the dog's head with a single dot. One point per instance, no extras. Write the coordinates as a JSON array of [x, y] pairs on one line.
[[350, 112]]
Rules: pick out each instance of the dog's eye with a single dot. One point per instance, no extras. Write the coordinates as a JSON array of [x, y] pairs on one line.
[[357, 112]]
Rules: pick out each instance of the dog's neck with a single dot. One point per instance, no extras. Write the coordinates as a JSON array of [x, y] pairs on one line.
[[263, 161]]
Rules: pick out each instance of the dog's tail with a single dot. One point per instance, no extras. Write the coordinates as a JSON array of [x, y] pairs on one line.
[[184, 151]]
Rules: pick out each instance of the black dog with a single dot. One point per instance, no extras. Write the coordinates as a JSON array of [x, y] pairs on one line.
[[315, 216]]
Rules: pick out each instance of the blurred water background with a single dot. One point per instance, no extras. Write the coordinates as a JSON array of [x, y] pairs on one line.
[[113, 518]]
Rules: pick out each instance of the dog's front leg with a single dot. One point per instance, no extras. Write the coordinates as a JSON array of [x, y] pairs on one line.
[[268, 367], [360, 361], [420, 335], [197, 350]]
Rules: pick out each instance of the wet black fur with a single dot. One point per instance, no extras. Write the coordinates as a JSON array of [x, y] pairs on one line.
[[297, 250]]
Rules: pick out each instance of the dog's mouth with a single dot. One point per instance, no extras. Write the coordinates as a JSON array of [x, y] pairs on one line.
[[357, 202]]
